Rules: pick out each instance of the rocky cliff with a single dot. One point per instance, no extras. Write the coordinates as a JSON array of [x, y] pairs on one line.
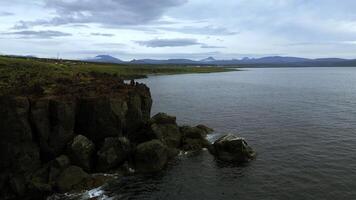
[[38, 128], [57, 138]]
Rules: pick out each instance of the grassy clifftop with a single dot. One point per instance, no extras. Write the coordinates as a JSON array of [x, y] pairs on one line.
[[27, 75]]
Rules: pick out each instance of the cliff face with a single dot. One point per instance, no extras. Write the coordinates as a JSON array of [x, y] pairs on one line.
[[36, 129]]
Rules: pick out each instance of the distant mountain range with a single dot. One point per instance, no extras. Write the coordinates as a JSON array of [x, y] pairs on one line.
[[275, 61], [105, 59]]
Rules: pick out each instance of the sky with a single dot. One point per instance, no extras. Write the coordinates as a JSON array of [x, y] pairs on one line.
[[193, 29]]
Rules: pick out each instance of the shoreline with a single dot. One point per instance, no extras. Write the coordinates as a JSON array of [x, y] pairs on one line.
[[65, 131]]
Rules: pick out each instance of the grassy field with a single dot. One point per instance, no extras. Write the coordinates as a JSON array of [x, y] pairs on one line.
[[18, 72]]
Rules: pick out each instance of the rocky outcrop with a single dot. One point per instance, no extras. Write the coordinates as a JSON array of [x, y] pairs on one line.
[[231, 148], [54, 143], [151, 156], [41, 135]]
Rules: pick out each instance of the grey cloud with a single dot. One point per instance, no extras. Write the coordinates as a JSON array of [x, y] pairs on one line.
[[4, 14], [106, 12], [178, 42], [21, 25], [204, 46], [206, 30], [37, 34], [111, 45], [78, 25], [102, 34]]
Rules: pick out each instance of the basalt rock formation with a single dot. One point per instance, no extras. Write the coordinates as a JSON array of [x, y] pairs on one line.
[[56, 140], [43, 134], [52, 141]]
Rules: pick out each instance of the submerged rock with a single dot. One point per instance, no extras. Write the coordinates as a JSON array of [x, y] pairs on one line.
[[231, 148], [151, 156], [81, 152], [113, 153]]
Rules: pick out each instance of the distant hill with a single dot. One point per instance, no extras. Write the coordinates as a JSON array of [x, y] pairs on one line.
[[161, 62], [104, 59], [209, 59], [271, 61]]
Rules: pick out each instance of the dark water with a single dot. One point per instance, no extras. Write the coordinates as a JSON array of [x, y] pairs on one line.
[[301, 121]]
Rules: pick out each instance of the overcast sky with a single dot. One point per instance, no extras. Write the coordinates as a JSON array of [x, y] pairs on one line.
[[191, 29]]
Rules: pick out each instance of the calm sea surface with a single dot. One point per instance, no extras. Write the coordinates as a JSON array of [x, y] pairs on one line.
[[301, 121]]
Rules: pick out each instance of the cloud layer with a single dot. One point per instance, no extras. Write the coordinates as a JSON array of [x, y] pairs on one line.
[[37, 34], [308, 28], [179, 42], [105, 12]]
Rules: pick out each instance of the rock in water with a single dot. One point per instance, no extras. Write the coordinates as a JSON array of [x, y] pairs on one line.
[[206, 129], [193, 132], [81, 152], [231, 148], [113, 153], [194, 138], [151, 156]]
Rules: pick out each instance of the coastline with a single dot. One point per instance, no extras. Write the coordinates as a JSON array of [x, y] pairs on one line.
[[60, 128]]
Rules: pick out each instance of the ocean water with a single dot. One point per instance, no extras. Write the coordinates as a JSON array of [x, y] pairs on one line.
[[301, 121]]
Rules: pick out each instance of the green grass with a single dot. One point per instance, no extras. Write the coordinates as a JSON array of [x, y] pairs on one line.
[[18, 72]]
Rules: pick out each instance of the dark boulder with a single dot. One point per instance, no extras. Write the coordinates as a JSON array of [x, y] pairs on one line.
[[151, 156], [71, 179], [61, 162], [81, 152], [56, 167], [165, 128], [168, 134], [192, 132], [194, 138], [115, 151], [206, 129], [231, 148]]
